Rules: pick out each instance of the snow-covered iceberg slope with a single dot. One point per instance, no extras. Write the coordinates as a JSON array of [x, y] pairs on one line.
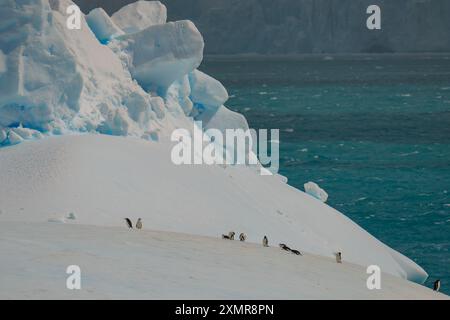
[[102, 179]]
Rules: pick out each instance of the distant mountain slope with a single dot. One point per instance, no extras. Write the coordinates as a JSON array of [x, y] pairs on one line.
[[309, 26]]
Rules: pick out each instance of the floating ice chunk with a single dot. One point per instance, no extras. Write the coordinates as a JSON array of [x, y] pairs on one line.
[[314, 190], [102, 25], [206, 90], [3, 67], [140, 15], [161, 54]]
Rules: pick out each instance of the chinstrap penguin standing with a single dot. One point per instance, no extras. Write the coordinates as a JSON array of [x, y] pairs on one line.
[[338, 257], [286, 248], [242, 237]]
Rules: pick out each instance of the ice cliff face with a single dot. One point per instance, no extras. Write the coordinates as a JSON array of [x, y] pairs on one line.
[[102, 78], [138, 81], [310, 26]]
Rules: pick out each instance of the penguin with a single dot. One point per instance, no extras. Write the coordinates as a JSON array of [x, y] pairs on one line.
[[296, 252], [129, 224], [230, 235], [338, 257], [242, 237], [265, 241], [139, 224], [437, 285], [284, 247]]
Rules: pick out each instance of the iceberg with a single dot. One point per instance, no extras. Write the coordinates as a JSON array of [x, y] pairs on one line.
[[206, 90], [13, 138]]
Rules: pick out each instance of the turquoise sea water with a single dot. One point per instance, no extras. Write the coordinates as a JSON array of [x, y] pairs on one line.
[[373, 131]]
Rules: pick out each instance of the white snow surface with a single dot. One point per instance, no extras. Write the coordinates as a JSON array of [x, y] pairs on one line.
[[117, 263], [317, 192], [103, 179]]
